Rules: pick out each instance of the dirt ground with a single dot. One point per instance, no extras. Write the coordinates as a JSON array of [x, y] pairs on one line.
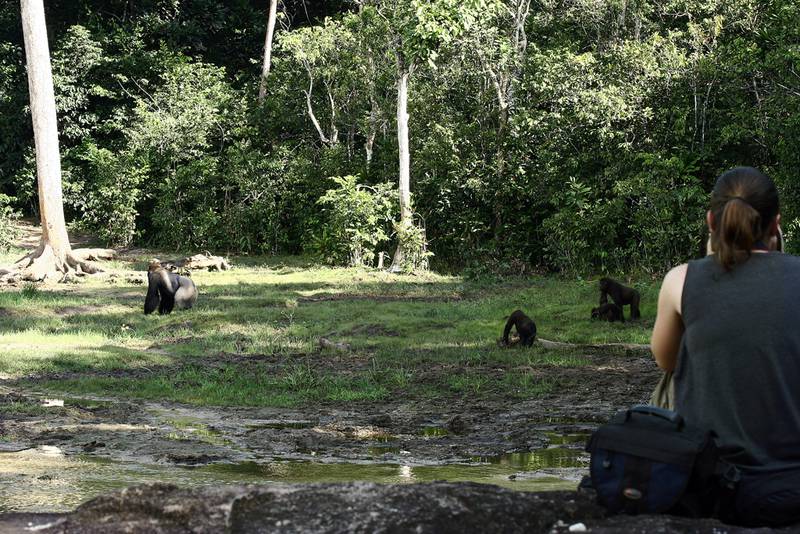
[[420, 431], [403, 431]]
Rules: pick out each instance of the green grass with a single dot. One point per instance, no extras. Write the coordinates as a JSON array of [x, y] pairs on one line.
[[253, 338]]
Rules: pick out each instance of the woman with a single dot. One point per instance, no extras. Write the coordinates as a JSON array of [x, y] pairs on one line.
[[728, 330]]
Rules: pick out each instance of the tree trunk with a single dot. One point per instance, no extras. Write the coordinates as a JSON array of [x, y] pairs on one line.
[[310, 108], [334, 129], [405, 162], [372, 127], [372, 130], [267, 64], [53, 257]]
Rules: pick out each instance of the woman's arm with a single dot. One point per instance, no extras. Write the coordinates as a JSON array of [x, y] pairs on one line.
[[668, 330]]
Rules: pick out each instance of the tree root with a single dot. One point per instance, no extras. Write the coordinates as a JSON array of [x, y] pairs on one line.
[[43, 264]]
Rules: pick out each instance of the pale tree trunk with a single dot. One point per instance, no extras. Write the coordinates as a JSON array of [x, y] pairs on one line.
[[372, 133], [310, 108], [372, 127], [267, 64], [405, 163], [54, 256], [505, 81], [334, 129]]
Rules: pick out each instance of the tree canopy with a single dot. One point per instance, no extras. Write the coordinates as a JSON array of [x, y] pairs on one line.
[[575, 136]]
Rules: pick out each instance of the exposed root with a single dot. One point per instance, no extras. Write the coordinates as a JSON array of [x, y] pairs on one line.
[[43, 264]]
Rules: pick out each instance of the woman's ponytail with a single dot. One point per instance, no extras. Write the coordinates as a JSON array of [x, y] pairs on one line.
[[737, 232], [744, 203]]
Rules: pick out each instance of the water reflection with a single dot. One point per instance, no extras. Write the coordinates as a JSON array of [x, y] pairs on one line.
[[406, 472], [541, 459], [44, 479]]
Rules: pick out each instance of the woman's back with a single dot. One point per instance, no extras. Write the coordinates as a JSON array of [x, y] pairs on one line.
[[738, 369]]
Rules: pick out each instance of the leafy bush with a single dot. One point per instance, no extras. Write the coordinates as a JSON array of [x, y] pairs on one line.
[[357, 219], [412, 238], [107, 194], [8, 232]]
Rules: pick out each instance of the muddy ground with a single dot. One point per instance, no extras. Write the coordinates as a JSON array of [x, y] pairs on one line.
[[402, 437], [414, 431]]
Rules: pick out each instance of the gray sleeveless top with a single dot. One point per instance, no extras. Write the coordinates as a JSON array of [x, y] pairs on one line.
[[738, 370]]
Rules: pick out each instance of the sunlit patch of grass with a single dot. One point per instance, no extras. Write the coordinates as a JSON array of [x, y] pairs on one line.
[[10, 256], [399, 327], [468, 383], [32, 351], [22, 408], [227, 386]]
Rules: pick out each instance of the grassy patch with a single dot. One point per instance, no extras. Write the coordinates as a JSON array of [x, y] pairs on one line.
[[23, 408], [253, 338]]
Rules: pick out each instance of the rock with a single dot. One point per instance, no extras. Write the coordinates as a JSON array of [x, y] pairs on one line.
[[93, 445], [438, 507], [456, 425], [382, 420], [325, 343]]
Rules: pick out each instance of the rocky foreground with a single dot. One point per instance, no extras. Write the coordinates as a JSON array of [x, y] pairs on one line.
[[438, 507]]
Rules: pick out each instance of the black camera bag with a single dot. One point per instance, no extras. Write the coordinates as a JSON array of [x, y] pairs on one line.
[[647, 460]]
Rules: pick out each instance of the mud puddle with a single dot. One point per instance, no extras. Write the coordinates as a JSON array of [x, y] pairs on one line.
[[46, 479], [57, 452]]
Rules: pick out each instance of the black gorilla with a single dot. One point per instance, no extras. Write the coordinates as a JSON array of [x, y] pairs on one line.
[[621, 295], [608, 312], [166, 290], [525, 326]]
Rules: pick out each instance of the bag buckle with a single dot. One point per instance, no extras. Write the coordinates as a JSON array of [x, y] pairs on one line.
[[730, 476]]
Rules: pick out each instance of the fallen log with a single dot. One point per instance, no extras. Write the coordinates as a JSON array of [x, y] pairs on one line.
[[94, 254], [198, 261], [561, 345]]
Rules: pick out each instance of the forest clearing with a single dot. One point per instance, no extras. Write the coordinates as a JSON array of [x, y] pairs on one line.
[[260, 261], [414, 386]]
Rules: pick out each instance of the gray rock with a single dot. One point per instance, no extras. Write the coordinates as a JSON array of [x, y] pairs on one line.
[[357, 507]]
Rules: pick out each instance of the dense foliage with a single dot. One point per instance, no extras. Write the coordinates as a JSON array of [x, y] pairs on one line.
[[573, 135]]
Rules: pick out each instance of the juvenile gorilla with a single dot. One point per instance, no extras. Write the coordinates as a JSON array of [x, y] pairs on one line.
[[608, 312], [166, 290], [621, 295], [525, 326]]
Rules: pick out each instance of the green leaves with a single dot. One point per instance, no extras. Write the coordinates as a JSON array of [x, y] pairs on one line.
[[358, 218], [424, 26]]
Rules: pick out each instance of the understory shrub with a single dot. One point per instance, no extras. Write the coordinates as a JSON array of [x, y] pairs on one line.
[[357, 218]]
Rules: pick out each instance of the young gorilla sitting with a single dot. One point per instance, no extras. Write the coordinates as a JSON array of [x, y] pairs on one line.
[[608, 312], [166, 290], [525, 326]]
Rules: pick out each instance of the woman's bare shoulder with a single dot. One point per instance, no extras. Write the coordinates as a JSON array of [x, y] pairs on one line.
[[676, 275], [672, 287]]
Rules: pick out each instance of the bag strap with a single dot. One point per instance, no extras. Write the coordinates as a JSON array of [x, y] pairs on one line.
[[654, 411]]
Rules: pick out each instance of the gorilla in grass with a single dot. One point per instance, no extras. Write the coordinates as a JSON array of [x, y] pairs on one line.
[[525, 326], [621, 295], [165, 290]]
